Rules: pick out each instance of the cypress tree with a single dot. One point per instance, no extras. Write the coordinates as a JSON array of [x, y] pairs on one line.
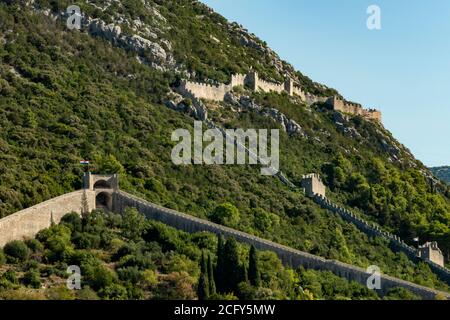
[[253, 271], [212, 284], [219, 274], [232, 271], [203, 286]]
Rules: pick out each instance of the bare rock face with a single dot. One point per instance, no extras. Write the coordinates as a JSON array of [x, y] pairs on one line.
[[244, 102], [195, 108], [149, 51]]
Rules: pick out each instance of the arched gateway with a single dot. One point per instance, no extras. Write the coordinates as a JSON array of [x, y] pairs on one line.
[[104, 187]]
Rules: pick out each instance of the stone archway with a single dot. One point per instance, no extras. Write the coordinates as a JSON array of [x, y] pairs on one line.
[[102, 184], [103, 201]]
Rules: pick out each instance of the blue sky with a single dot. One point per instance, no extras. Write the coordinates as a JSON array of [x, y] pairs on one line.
[[402, 69]]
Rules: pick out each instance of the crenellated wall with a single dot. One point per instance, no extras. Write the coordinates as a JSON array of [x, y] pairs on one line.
[[344, 106], [206, 91], [289, 256], [27, 223], [250, 80], [372, 230]]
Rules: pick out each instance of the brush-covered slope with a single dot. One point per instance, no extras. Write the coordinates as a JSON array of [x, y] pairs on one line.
[[442, 173], [97, 94]]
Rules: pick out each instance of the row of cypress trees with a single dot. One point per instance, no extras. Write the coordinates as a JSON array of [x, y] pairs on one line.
[[228, 272]]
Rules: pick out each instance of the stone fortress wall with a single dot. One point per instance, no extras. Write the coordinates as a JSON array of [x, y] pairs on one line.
[[289, 256], [27, 223], [315, 189], [254, 82], [430, 251], [344, 106]]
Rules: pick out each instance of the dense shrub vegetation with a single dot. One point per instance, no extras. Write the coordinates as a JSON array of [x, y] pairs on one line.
[[158, 262]]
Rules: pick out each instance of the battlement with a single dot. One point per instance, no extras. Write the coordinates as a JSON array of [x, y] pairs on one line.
[[339, 104], [250, 80], [431, 251], [313, 185]]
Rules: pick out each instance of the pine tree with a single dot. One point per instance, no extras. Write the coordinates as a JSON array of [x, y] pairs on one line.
[[203, 284], [212, 283], [253, 271]]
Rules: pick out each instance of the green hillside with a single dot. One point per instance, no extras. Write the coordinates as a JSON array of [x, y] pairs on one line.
[[442, 173], [68, 95]]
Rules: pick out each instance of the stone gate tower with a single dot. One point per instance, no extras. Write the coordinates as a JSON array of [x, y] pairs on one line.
[[104, 187]]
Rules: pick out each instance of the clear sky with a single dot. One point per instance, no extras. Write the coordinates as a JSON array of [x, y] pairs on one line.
[[402, 69]]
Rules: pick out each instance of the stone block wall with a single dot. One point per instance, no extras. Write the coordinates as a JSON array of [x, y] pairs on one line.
[[341, 105], [27, 223], [313, 185], [373, 230], [238, 80], [205, 91], [289, 256]]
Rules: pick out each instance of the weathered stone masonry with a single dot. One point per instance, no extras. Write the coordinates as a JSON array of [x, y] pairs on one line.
[[289, 256], [27, 223], [217, 93]]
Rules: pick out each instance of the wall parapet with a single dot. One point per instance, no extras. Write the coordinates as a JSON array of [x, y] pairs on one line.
[[217, 92], [28, 222], [342, 105], [289, 256], [375, 231]]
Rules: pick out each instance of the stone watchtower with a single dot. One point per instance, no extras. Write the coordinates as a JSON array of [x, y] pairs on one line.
[[253, 81], [104, 187], [289, 86], [430, 251], [313, 185]]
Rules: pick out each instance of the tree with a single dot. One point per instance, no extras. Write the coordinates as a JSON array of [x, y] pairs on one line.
[[109, 164], [212, 284], [219, 274], [203, 283], [253, 271], [176, 286], [73, 221], [226, 214], [30, 119], [133, 224], [16, 251], [232, 270]]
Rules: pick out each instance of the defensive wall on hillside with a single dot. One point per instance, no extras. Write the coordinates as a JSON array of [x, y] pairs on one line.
[[252, 81], [289, 256], [102, 191], [344, 106], [373, 230], [27, 223]]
